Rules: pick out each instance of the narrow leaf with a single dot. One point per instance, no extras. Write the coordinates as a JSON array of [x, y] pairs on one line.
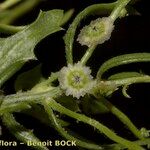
[[123, 75], [122, 60]]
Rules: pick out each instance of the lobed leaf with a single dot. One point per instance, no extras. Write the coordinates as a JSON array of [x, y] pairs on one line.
[[19, 48]]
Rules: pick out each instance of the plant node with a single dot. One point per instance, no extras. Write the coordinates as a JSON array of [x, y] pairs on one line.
[[76, 80]]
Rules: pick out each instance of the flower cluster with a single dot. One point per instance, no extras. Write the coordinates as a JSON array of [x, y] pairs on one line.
[[97, 32], [76, 80]]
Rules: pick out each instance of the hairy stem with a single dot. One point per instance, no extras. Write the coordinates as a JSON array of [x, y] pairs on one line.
[[103, 129], [132, 80], [64, 133], [123, 118], [14, 100], [87, 54], [20, 132], [122, 60]]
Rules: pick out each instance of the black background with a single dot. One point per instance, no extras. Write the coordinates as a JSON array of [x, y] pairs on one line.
[[131, 34]]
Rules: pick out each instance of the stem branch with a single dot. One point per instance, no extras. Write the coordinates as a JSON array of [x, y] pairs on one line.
[[103, 129], [64, 133]]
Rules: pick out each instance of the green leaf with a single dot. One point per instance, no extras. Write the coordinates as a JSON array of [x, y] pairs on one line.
[[18, 49], [28, 79], [123, 75], [122, 60]]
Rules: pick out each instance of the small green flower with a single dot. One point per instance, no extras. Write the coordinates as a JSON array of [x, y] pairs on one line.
[[97, 32], [76, 80]]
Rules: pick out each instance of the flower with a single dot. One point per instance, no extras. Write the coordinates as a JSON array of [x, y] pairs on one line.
[[76, 80], [97, 32]]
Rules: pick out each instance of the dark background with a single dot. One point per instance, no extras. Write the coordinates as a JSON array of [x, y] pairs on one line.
[[131, 34]]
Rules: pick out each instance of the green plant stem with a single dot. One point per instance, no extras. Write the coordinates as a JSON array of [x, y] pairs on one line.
[[8, 3], [122, 75], [121, 4], [20, 132], [14, 108], [21, 101], [122, 60], [87, 54], [64, 133], [103, 129], [132, 80], [19, 10], [10, 29], [123, 118], [67, 15], [14, 100]]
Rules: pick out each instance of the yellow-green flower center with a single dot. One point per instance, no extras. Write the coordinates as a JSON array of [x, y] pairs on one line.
[[76, 80]]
